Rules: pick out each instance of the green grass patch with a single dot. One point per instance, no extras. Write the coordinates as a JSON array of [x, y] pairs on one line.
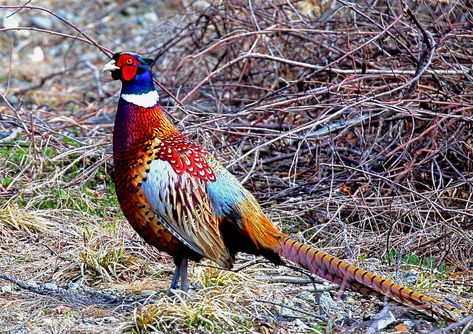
[[205, 315], [16, 155], [412, 259], [103, 264]]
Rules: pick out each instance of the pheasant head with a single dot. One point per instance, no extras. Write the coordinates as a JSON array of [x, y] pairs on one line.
[[133, 71]]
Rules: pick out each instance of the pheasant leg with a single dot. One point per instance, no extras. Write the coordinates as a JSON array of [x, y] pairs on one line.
[[183, 271], [175, 280], [179, 273]]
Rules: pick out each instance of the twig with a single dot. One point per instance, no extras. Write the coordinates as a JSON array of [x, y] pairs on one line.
[[250, 55], [46, 31], [92, 41], [98, 297], [467, 322], [316, 316]]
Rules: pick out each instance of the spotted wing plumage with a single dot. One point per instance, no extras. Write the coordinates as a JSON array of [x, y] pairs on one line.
[[175, 187], [184, 155]]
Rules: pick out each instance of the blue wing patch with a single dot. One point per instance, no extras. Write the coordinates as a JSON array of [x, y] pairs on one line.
[[225, 193]]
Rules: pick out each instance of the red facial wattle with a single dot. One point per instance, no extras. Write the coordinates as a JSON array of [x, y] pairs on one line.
[[129, 72], [129, 66]]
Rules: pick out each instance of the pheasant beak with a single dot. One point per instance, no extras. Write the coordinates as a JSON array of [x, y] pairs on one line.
[[110, 66]]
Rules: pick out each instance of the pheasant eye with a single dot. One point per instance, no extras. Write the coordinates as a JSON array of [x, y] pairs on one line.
[[129, 61]]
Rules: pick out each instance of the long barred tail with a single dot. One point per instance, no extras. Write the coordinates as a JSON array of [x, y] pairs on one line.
[[359, 280]]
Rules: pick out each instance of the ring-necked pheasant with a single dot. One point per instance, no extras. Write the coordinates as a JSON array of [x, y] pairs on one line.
[[183, 202]]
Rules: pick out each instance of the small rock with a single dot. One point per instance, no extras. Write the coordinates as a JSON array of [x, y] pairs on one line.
[[385, 323], [150, 17], [307, 296], [12, 99], [41, 22], [19, 330], [14, 21], [372, 260], [37, 56], [148, 293], [410, 278], [130, 11], [300, 326], [49, 286], [383, 319], [327, 303], [200, 5], [21, 84], [5, 134], [11, 21], [33, 284], [68, 15], [111, 320], [410, 324], [7, 289], [288, 313]]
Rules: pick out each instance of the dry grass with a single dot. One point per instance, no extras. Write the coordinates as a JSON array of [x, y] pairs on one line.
[[353, 131]]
